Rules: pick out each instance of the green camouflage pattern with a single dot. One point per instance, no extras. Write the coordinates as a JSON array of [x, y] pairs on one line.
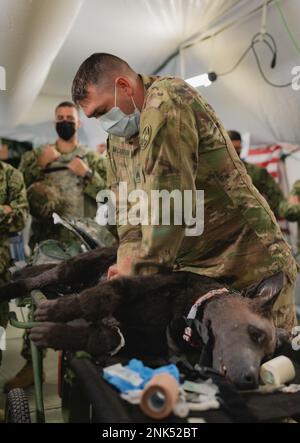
[[266, 185], [12, 193], [183, 145], [56, 189], [16, 150], [292, 211]]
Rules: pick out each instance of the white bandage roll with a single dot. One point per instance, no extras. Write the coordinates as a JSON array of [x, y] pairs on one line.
[[278, 371]]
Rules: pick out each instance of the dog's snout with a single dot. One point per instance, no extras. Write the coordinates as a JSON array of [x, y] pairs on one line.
[[248, 380]]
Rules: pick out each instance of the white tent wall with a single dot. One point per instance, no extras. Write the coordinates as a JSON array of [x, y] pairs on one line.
[[43, 43], [47, 25]]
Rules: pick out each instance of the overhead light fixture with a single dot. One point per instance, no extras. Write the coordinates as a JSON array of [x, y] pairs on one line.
[[202, 80]]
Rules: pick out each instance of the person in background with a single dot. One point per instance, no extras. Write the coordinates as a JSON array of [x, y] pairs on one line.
[[13, 215], [261, 179], [290, 209], [63, 178]]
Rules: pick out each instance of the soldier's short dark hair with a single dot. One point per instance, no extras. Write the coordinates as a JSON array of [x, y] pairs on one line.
[[99, 67], [234, 136], [66, 104]]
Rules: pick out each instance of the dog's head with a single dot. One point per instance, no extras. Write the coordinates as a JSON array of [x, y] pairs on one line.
[[243, 331]]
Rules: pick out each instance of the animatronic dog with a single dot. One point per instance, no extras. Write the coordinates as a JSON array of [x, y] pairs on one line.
[[195, 310]]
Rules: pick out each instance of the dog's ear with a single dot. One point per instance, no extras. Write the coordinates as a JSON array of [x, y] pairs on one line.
[[282, 337], [265, 293]]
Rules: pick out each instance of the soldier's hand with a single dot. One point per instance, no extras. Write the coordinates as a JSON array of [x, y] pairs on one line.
[[78, 167], [112, 272], [294, 200], [121, 269], [48, 156], [7, 209]]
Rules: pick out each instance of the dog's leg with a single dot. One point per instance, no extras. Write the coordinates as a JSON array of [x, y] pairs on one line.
[[92, 304], [83, 269], [86, 268], [103, 299], [97, 339], [31, 271]]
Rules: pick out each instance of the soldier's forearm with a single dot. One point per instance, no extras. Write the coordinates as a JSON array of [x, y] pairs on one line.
[[160, 245]]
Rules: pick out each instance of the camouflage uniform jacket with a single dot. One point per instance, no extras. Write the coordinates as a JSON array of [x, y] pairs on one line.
[[266, 185], [57, 189], [183, 145], [12, 193], [292, 211]]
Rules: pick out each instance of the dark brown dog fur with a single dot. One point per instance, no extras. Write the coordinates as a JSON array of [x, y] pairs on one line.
[[242, 326]]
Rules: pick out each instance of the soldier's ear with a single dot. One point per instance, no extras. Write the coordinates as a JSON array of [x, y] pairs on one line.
[[265, 293]]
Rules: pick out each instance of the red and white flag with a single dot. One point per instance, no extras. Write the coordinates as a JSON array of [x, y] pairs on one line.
[[268, 157]]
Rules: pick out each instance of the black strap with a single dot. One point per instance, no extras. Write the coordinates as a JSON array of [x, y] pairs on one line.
[[57, 168]]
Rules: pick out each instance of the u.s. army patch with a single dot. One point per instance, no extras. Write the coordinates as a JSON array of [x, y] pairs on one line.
[[146, 136]]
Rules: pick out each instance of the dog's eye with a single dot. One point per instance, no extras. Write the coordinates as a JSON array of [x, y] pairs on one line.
[[257, 335]]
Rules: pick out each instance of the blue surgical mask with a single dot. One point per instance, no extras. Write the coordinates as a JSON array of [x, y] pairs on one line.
[[116, 122]]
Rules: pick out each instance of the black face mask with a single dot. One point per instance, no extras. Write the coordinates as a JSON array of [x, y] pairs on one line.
[[65, 130]]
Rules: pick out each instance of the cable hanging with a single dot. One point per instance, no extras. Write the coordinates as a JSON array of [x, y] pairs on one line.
[[263, 37], [269, 41]]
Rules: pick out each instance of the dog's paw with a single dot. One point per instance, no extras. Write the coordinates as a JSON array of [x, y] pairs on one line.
[[45, 335], [61, 310], [59, 336], [47, 311]]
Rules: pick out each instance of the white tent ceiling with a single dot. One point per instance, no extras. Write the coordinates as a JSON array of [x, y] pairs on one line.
[[43, 43]]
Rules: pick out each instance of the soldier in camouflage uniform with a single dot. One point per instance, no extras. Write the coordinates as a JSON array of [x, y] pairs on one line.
[[290, 209], [178, 142], [13, 214], [261, 179], [63, 178]]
